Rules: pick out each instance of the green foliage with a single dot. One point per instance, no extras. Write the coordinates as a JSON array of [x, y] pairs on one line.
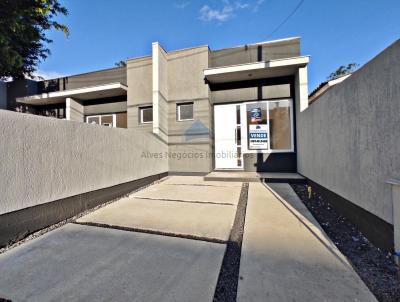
[[343, 70], [120, 64], [23, 26]]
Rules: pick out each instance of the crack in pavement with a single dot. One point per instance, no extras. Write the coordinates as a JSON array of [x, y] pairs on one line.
[[187, 201], [153, 232]]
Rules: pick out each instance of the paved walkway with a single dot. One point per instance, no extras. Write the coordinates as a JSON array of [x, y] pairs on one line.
[[167, 243], [287, 257]]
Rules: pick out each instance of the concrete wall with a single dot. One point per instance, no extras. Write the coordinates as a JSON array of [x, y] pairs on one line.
[[74, 110], [47, 159], [3, 95], [105, 108], [349, 138], [164, 80], [190, 144], [185, 74], [140, 90]]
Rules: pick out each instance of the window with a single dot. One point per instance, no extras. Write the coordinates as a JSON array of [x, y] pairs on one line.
[[93, 120], [270, 125], [146, 115], [280, 130], [108, 120], [184, 112]]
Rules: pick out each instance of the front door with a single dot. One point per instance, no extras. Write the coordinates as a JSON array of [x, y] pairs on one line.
[[227, 130]]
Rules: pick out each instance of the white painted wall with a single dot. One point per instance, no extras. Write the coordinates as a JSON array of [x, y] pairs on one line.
[[348, 140], [160, 91], [44, 159]]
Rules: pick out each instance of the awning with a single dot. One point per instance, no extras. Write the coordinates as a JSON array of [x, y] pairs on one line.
[[85, 93], [257, 70]]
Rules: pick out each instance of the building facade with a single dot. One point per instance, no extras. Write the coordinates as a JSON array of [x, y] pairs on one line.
[[227, 109]]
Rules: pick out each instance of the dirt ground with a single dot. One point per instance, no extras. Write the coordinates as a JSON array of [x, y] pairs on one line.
[[375, 267]]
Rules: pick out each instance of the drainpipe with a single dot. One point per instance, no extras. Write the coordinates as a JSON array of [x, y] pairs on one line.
[[396, 218]]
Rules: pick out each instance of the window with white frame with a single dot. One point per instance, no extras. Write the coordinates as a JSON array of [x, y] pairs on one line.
[[108, 120], [146, 114], [184, 111], [270, 126]]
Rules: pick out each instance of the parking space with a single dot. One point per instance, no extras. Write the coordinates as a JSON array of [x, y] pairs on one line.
[[84, 263], [201, 220]]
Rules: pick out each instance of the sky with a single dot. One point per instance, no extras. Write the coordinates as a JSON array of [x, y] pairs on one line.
[[333, 33]]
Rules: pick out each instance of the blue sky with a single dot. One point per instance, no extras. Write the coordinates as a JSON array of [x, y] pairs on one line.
[[333, 33]]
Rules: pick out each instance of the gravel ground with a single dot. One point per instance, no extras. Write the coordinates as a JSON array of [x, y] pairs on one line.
[[375, 267], [226, 290]]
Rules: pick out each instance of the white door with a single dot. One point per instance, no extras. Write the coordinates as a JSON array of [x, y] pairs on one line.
[[227, 137]]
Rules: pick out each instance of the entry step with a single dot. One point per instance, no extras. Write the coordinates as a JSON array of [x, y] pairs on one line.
[[254, 176]]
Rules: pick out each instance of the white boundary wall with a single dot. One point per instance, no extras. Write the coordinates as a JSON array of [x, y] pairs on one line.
[[349, 139], [45, 159]]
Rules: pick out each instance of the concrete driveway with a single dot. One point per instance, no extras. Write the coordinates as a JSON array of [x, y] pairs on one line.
[[167, 242], [163, 243]]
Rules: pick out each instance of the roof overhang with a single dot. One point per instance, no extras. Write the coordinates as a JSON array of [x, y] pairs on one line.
[[82, 94], [257, 70]]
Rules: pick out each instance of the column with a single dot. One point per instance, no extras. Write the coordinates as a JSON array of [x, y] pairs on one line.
[[74, 111]]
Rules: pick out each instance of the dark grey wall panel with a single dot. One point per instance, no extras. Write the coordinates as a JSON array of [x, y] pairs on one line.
[[19, 88], [270, 162], [3, 95], [112, 75], [255, 52], [381, 234], [18, 224]]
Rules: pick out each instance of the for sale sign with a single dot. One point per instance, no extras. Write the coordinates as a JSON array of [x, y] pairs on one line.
[[258, 136]]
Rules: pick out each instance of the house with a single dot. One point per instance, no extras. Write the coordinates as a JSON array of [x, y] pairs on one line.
[[226, 109], [324, 87], [197, 110]]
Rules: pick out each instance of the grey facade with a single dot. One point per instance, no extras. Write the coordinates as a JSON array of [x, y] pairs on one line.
[[345, 143], [165, 80]]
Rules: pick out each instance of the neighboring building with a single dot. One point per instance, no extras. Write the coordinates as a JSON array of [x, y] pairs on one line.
[[233, 108], [324, 87]]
